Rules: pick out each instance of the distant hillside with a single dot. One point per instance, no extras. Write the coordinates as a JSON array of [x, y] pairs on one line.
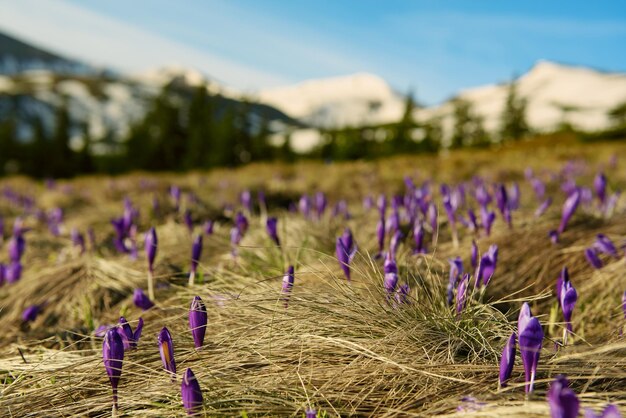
[[556, 94], [17, 56]]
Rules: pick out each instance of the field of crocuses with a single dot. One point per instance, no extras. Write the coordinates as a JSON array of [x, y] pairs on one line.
[[489, 283]]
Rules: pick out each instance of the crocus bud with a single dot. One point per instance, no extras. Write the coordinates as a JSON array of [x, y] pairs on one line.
[[31, 313], [270, 226], [113, 357], [543, 207], [474, 255], [391, 274], [381, 203], [563, 277], [348, 243], [343, 257], [599, 185], [16, 248], [141, 300], [456, 269], [507, 361], [188, 220], [175, 194], [191, 393], [624, 303], [288, 280], [488, 264], [592, 257], [166, 349], [13, 272], [569, 207], [554, 236], [568, 298], [304, 205], [310, 413], [2, 274], [611, 411], [150, 245], [605, 245], [418, 236], [320, 204], [402, 294], [246, 200], [380, 235], [78, 240], [241, 222], [395, 241], [530, 341], [487, 218], [461, 294], [196, 253], [197, 321], [208, 227], [562, 400]]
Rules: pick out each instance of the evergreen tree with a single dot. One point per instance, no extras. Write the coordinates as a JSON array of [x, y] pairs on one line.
[[402, 140], [8, 144], [200, 122], [61, 157], [514, 124], [462, 123]]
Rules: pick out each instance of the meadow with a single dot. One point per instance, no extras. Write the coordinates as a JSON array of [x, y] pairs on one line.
[[357, 347]]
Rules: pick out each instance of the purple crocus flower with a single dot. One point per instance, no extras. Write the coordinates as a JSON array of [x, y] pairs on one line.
[[624, 303], [431, 215], [380, 236], [539, 188], [320, 204], [599, 185], [592, 258], [113, 357], [2, 274], [31, 313], [456, 269], [188, 220], [13, 272], [563, 277], [507, 361], [530, 336], [304, 205], [487, 218], [241, 222], [343, 256], [402, 294], [141, 300], [391, 274], [197, 321], [166, 349], [395, 241], [502, 200], [543, 207], [562, 400], [568, 297], [348, 243], [150, 246], [605, 245], [246, 200], [196, 253], [129, 338], [78, 240], [191, 393], [175, 194], [235, 238], [16, 248], [310, 413], [382, 205], [611, 411], [474, 255], [472, 222], [487, 266], [270, 226], [514, 196], [569, 207], [554, 236], [288, 280], [208, 227], [418, 236], [461, 294]]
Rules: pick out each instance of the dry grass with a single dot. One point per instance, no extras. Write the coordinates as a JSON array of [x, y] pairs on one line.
[[339, 347]]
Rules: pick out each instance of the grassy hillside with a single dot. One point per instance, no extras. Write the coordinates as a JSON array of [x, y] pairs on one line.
[[341, 347]]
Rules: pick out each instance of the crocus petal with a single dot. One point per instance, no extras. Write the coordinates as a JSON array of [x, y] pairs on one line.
[[166, 349], [562, 400]]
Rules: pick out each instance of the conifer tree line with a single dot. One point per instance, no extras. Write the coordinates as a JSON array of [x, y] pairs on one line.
[[198, 130]]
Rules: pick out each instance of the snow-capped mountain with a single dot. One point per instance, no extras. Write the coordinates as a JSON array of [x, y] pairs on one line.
[[555, 94], [353, 100]]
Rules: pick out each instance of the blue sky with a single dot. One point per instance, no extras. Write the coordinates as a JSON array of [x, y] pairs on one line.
[[433, 48]]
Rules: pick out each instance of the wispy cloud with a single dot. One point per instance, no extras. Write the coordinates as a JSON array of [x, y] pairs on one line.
[[83, 34]]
